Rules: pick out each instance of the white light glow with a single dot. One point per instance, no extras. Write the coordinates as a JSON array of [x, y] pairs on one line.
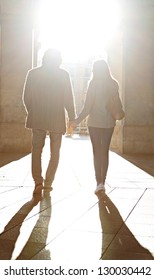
[[79, 28]]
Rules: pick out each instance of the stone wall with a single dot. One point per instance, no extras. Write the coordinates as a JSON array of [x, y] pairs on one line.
[[133, 65], [138, 73], [16, 59]]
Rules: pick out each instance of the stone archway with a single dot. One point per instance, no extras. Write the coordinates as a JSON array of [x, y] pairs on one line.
[[136, 132]]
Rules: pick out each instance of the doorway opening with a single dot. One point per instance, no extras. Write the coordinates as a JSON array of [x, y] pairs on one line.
[[83, 31]]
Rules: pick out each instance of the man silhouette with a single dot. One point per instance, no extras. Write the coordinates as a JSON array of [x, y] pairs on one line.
[[47, 93]]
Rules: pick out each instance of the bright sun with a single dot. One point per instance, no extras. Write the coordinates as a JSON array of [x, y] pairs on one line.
[[78, 28]]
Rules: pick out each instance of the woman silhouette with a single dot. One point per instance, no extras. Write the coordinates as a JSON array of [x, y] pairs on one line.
[[100, 122]]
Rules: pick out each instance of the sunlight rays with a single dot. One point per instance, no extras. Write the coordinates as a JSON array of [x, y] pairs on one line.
[[79, 28]]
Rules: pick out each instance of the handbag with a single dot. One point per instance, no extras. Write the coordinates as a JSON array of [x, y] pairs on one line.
[[114, 106]]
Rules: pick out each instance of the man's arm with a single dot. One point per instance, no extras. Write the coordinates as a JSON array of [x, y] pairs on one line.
[[69, 99], [27, 92]]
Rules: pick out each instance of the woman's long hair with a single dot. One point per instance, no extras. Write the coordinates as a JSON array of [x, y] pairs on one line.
[[101, 71]]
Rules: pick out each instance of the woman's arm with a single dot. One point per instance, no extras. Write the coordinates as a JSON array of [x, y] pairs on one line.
[[90, 97]]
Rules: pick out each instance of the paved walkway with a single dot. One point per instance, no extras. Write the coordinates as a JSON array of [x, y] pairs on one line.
[[73, 224]]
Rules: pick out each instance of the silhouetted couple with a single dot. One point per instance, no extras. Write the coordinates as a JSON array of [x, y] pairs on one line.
[[47, 94]]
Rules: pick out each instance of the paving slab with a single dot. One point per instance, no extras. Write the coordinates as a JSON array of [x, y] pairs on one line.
[[72, 223]]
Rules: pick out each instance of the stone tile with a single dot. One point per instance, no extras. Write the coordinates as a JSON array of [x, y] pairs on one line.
[[146, 242], [127, 193], [110, 217], [16, 220], [15, 215], [38, 235], [141, 219], [44, 254], [116, 255], [75, 246], [11, 234], [6, 249], [144, 209], [145, 184], [138, 229], [73, 224], [127, 243], [43, 221], [116, 183], [146, 202], [31, 249], [5, 254], [122, 207], [149, 194], [89, 222], [107, 238]]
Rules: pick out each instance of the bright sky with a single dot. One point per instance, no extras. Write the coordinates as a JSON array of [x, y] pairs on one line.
[[78, 28]]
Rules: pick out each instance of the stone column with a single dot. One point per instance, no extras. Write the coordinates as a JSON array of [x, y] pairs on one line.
[[115, 60], [16, 59], [138, 77], [132, 63]]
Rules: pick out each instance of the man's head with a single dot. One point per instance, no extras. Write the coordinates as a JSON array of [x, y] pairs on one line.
[[52, 58]]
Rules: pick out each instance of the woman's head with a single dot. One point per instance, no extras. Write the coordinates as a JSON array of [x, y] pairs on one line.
[[101, 70]]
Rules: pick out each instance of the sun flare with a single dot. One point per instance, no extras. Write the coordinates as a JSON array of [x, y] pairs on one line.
[[78, 28]]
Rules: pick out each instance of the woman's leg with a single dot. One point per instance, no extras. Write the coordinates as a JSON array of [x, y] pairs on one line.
[[100, 139], [95, 137], [106, 135]]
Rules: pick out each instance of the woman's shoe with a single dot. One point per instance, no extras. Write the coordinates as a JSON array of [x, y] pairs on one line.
[[100, 189]]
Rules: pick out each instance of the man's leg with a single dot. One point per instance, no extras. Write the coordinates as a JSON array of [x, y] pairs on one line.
[[55, 144], [38, 140]]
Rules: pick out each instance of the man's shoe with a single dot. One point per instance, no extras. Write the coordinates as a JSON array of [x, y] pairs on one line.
[[47, 189], [100, 189], [38, 189]]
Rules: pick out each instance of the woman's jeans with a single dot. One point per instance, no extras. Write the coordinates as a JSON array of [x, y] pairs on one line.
[[100, 138], [38, 141]]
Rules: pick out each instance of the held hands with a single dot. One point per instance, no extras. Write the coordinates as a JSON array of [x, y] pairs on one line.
[[72, 124]]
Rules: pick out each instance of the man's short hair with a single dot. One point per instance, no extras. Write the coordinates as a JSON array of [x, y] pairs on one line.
[[52, 57]]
